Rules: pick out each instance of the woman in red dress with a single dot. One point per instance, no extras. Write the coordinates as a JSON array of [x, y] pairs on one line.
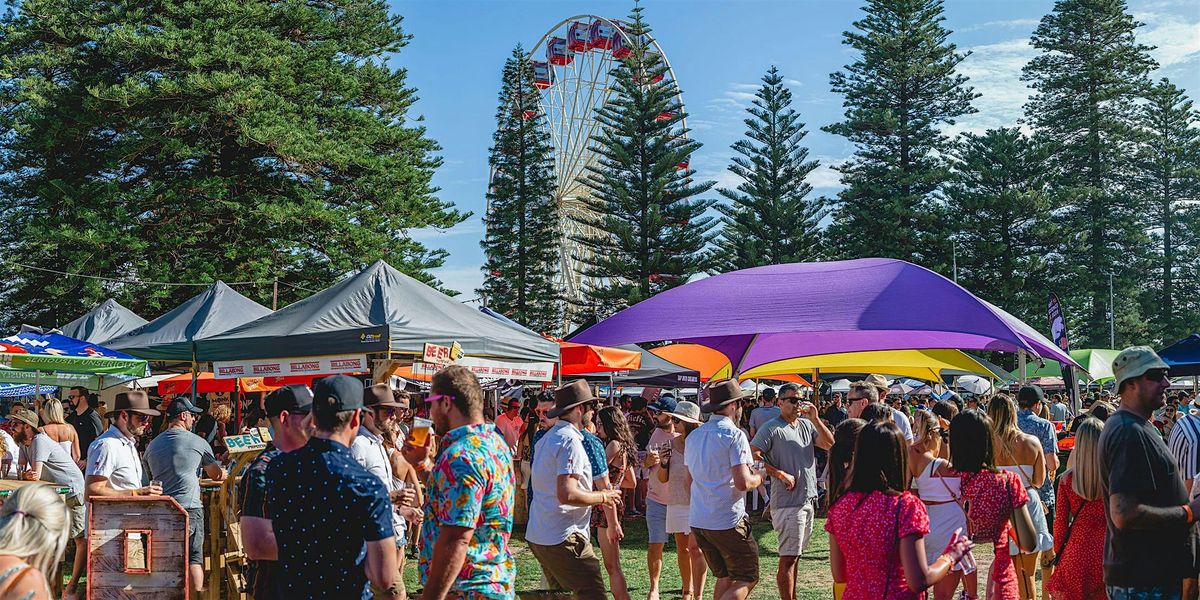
[[993, 498], [877, 528], [1079, 522]]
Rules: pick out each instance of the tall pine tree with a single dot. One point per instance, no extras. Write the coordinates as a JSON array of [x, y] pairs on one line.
[[999, 208], [770, 219], [650, 232], [1086, 80], [521, 241], [190, 140], [897, 95], [1168, 175]]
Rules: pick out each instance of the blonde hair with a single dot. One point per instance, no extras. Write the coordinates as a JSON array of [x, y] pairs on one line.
[[52, 412], [1003, 413], [923, 422], [1084, 461], [34, 527]]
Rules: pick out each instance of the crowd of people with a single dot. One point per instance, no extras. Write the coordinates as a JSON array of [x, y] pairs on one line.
[[356, 476]]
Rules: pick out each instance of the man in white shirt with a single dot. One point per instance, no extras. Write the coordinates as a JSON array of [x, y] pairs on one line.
[[881, 385], [719, 459], [368, 450], [656, 491], [562, 497], [114, 467]]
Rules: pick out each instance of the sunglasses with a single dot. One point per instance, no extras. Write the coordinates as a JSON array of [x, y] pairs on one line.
[[435, 397], [542, 411], [391, 412], [793, 399], [1155, 374], [142, 418]]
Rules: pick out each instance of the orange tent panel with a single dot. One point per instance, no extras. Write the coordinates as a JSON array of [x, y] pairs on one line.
[[710, 363], [586, 358]]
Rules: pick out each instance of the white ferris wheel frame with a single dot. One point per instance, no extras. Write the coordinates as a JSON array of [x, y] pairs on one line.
[[570, 118]]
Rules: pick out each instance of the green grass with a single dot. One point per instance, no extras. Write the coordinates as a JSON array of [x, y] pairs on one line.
[[814, 580]]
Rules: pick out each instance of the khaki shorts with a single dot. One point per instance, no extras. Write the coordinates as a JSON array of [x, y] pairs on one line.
[[572, 565], [794, 525], [731, 553], [77, 508], [398, 586]]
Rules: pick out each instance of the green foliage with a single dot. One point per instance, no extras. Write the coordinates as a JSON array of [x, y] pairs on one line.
[[521, 243], [650, 233], [770, 219], [898, 94], [999, 208], [201, 139], [1089, 75], [1168, 177]]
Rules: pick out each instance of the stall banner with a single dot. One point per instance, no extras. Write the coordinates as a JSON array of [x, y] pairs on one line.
[[495, 369], [307, 365]]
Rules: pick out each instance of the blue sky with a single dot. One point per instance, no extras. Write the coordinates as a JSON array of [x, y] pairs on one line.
[[719, 50]]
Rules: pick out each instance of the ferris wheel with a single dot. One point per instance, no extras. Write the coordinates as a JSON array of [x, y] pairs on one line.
[[573, 67]]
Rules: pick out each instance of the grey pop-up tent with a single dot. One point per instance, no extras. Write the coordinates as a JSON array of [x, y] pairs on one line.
[[171, 336], [379, 309], [108, 320]]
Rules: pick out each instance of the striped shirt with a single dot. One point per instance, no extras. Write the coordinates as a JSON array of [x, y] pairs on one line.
[[1185, 444]]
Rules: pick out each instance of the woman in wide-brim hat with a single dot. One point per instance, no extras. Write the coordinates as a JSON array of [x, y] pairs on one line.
[[692, 568]]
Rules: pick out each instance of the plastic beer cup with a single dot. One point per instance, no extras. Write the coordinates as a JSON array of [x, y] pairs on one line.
[[420, 431]]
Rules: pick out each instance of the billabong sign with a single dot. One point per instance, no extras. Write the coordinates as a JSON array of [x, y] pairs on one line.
[[307, 365]]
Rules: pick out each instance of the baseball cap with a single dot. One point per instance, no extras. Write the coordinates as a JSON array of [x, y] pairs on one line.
[[665, 403], [1134, 362], [337, 393], [294, 398], [180, 405]]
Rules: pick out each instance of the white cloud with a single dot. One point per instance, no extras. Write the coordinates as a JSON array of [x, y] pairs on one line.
[[825, 176], [472, 227], [794, 82], [995, 73], [463, 279], [1009, 24], [1177, 36]]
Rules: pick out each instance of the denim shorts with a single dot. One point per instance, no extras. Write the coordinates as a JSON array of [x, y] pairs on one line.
[[1143, 593], [656, 521]]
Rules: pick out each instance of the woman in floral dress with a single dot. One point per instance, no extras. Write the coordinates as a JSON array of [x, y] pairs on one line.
[[993, 498], [1079, 573], [877, 528]]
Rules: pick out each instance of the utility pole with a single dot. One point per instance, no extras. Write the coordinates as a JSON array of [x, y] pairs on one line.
[[1112, 314], [275, 294], [954, 257]]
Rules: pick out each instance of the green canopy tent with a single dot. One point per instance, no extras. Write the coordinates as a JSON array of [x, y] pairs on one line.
[[1097, 362], [49, 359]]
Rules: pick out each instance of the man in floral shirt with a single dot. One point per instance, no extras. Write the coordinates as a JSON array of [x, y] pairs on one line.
[[469, 497]]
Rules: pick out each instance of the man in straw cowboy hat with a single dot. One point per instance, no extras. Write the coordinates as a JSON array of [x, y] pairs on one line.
[[719, 458], [368, 449], [881, 384], [114, 467], [559, 517]]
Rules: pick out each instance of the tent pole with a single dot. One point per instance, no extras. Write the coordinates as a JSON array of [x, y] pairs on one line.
[[611, 383], [1021, 367], [816, 390], [237, 389]]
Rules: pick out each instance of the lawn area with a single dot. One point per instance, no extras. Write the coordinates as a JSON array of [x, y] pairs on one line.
[[814, 583]]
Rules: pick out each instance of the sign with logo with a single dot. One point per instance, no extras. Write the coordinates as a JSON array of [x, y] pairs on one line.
[[495, 369], [1058, 324], [255, 440], [278, 367]]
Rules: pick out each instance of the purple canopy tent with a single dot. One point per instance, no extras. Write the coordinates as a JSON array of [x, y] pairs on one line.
[[761, 315]]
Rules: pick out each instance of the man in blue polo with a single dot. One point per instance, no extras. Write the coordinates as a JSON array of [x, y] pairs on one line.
[[332, 518]]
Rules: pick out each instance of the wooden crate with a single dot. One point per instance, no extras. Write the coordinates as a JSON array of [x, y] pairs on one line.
[[138, 548]]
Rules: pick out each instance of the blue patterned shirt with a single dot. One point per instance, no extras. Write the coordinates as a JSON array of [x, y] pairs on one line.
[[1043, 430], [324, 508]]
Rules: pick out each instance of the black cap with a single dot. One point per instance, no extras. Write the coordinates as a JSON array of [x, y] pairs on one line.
[[337, 393], [294, 398], [1029, 395], [182, 405]]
